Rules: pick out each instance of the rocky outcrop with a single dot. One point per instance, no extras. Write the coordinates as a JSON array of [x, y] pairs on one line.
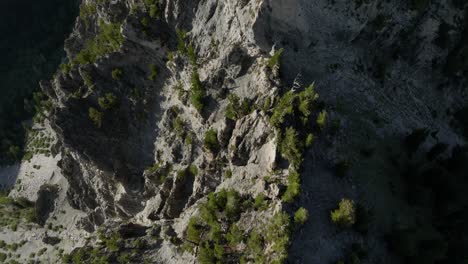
[[194, 123]]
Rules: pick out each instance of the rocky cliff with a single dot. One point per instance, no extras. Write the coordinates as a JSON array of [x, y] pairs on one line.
[[205, 131]]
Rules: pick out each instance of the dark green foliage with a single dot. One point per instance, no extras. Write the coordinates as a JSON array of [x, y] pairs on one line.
[[197, 92], [232, 208], [192, 56], [283, 109], [260, 202], [211, 141], [301, 216], [189, 171], [322, 119], [206, 254], [309, 140], [234, 236], [108, 101], [153, 72], [113, 242], [158, 173], [193, 170], [108, 40], [179, 127], [278, 232], [255, 246], [65, 68], [95, 116], [292, 147], [294, 106], [222, 207], [153, 8], [193, 233], [181, 36], [228, 174], [275, 59], [117, 74], [294, 187], [144, 22], [13, 212], [345, 215], [237, 109]]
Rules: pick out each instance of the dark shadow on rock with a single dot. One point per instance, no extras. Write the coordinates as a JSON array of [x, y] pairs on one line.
[[45, 203]]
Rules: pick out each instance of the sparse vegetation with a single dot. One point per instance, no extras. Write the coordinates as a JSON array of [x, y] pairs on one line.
[[294, 187], [211, 140], [191, 55], [197, 92], [345, 215], [291, 147], [153, 9], [322, 119], [217, 244], [108, 40], [275, 59], [301, 216], [181, 36], [95, 116], [117, 74], [237, 109], [108, 101], [153, 72]]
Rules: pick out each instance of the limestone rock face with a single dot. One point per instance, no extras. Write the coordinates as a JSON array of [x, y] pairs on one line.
[[136, 162]]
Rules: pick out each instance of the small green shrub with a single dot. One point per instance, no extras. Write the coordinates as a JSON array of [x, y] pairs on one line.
[[3, 257], [309, 140], [153, 72], [275, 59], [211, 140], [181, 36], [255, 245], [259, 202], [65, 68], [234, 236], [237, 109], [291, 147], [179, 127], [108, 101], [206, 254], [294, 187], [194, 232], [345, 215], [117, 74], [228, 174], [152, 6], [144, 22], [113, 242], [192, 56], [170, 56], [193, 170], [301, 216], [95, 116], [108, 40], [197, 92], [87, 10], [322, 119], [278, 233]]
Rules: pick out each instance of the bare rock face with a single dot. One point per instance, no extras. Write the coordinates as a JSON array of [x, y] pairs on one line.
[[250, 133]]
